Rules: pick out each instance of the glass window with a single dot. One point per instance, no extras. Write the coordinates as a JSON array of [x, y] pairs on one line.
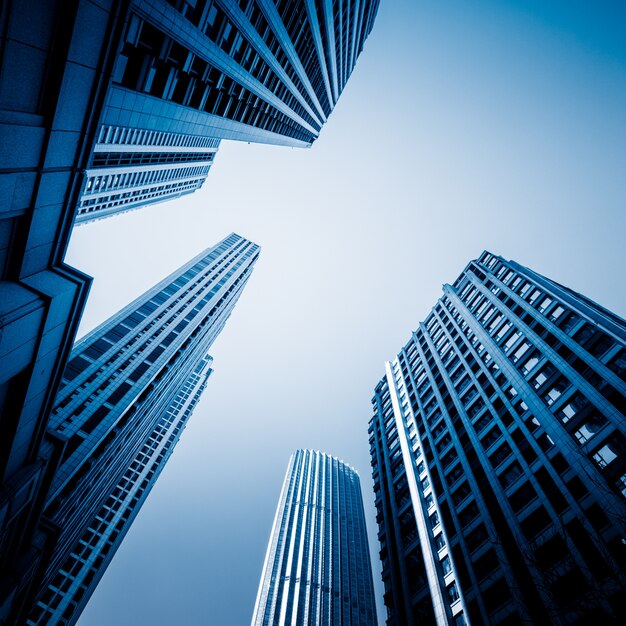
[[576, 403], [557, 312], [540, 378], [446, 565], [529, 365], [589, 429], [521, 351], [545, 304], [440, 542], [605, 455], [434, 519], [503, 331], [495, 322], [511, 340], [453, 592], [553, 395]]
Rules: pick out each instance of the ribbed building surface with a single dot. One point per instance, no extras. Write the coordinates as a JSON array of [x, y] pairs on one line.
[[317, 570], [190, 73], [127, 391], [499, 457]]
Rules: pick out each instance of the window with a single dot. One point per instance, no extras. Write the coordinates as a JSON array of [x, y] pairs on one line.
[[556, 391], [557, 312], [491, 437], [510, 341], [510, 474], [462, 492], [576, 404], [476, 537], [617, 363], [95, 420], [545, 304], [529, 365], [522, 497], [118, 394], [75, 367], [621, 485], [605, 455], [521, 351], [434, 519], [455, 473], [440, 542], [97, 349], [539, 379], [503, 331], [500, 455], [495, 322], [486, 564], [446, 565]]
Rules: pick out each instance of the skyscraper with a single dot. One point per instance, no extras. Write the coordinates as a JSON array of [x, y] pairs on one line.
[[188, 74], [52, 86], [127, 392], [105, 107], [499, 457], [317, 568]]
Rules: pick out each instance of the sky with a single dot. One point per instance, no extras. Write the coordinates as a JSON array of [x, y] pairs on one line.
[[465, 126]]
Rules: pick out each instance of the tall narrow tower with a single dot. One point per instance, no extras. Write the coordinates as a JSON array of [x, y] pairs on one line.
[[127, 392], [317, 570], [498, 448]]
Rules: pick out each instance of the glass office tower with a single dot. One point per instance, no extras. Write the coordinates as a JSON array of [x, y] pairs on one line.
[[499, 457], [127, 392], [190, 73], [317, 570]]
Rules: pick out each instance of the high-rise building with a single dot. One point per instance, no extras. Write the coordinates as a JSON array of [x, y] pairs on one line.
[[190, 73], [499, 457], [53, 60], [127, 392], [75, 581], [317, 568], [104, 107]]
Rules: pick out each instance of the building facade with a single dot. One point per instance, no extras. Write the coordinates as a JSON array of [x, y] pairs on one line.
[[188, 74], [131, 168], [317, 569], [499, 457], [127, 392], [53, 76]]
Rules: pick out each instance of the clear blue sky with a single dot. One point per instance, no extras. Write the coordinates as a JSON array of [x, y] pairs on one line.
[[466, 125]]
